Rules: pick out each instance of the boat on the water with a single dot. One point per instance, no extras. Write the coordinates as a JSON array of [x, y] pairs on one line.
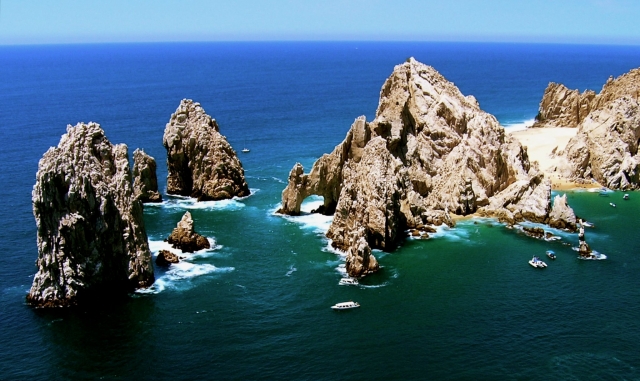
[[626, 196], [245, 150], [348, 281], [551, 254], [536, 262], [612, 205], [345, 305], [604, 191]]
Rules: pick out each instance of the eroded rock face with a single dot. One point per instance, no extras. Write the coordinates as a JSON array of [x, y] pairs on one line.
[[91, 234], [185, 238], [562, 216], [429, 152], [145, 181], [605, 148], [562, 107], [165, 258], [200, 162]]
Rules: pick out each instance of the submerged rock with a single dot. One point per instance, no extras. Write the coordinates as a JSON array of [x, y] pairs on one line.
[[429, 152], [91, 234], [200, 162], [605, 147], [185, 238], [145, 181]]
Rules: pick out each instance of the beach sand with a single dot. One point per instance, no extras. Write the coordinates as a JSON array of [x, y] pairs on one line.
[[540, 142]]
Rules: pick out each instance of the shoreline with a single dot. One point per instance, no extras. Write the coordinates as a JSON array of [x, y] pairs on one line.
[[540, 143]]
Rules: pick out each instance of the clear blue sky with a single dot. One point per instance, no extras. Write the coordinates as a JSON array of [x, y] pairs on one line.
[[79, 21]]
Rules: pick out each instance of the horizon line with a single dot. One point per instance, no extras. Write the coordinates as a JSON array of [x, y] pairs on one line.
[[609, 43]]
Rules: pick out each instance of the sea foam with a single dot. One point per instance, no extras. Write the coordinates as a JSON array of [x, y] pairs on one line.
[[178, 276], [519, 126]]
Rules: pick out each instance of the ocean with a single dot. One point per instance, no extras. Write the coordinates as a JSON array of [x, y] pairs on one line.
[[464, 304]]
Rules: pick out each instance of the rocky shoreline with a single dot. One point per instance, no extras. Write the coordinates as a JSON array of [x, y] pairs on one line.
[[429, 153]]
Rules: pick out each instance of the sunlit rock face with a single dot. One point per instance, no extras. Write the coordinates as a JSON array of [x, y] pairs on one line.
[[429, 152], [91, 235]]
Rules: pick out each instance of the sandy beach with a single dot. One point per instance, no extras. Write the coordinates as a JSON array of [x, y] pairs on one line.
[[540, 142]]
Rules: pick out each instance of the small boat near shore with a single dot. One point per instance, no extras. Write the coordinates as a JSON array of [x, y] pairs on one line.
[[551, 254], [612, 205], [537, 263], [347, 281], [345, 305], [626, 196], [245, 150]]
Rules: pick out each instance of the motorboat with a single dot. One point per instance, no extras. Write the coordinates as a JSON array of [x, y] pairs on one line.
[[612, 205], [536, 262], [626, 196], [345, 305], [551, 254], [245, 150], [348, 281]]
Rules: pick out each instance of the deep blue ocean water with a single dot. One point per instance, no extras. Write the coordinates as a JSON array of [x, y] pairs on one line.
[[462, 305]]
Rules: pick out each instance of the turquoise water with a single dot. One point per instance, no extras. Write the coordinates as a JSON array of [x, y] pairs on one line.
[[464, 304]]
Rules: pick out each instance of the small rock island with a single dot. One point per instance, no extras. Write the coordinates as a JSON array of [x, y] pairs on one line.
[[430, 152], [90, 230], [200, 161]]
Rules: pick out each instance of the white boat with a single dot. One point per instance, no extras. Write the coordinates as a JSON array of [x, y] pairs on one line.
[[612, 204], [345, 305], [626, 196], [551, 254], [348, 282], [536, 262], [245, 150]]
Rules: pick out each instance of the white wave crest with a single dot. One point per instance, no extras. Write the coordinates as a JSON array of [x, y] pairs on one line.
[[313, 221], [519, 126], [179, 275]]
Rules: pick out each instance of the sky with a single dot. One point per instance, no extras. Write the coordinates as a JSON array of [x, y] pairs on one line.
[[540, 21]]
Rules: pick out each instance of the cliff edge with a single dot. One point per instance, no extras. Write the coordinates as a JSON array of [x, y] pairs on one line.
[[605, 147], [91, 234], [429, 152]]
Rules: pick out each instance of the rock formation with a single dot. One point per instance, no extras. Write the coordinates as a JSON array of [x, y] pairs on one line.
[[91, 235], [562, 216], [185, 238], [605, 148], [429, 151], [200, 162], [145, 181], [562, 107], [166, 258]]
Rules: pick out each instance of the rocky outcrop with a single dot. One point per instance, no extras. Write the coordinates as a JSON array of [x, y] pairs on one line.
[[562, 107], [91, 235], [145, 181], [429, 152], [185, 238], [165, 258], [605, 147], [200, 162], [562, 216]]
